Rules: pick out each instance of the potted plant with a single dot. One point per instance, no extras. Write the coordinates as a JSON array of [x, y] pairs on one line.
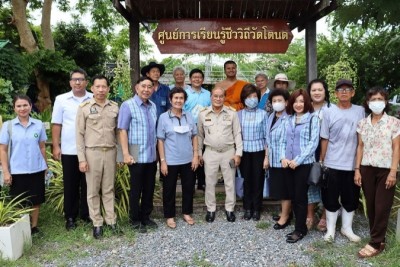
[[15, 229]]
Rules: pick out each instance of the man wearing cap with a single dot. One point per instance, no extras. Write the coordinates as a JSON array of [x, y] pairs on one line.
[[338, 152], [160, 96], [232, 86], [281, 81]]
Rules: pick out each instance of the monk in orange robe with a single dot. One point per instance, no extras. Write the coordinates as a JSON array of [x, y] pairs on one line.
[[232, 86]]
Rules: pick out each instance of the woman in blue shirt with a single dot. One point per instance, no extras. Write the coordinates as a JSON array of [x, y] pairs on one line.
[[300, 140], [24, 169], [177, 145], [253, 124]]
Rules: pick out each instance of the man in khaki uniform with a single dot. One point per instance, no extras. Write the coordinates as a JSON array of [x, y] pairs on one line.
[[96, 124], [219, 131]]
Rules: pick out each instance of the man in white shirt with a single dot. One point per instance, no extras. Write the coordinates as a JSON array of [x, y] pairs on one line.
[[63, 120]]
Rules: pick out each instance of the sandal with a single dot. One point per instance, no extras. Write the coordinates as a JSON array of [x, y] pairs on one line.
[[189, 220], [322, 225], [309, 223], [171, 223], [368, 252]]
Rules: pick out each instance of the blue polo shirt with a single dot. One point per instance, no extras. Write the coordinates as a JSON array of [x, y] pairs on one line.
[[264, 99], [26, 156], [161, 99], [177, 134], [197, 101]]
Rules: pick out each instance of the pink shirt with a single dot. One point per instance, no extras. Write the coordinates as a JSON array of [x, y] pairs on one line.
[[377, 140]]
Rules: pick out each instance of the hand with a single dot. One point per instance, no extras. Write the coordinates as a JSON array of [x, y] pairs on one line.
[[265, 163], [201, 161], [285, 163], [357, 177], [7, 178], [391, 179], [237, 160], [128, 159], [56, 153], [293, 164], [83, 166], [164, 168], [195, 163]]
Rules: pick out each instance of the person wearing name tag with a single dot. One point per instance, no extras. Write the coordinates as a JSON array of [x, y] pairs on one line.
[[177, 145]]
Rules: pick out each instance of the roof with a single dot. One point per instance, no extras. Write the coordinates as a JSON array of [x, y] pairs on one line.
[[297, 12]]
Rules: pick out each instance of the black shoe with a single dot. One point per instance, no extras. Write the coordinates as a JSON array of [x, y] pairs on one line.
[[278, 226], [276, 217], [34, 230], [230, 216], [256, 216], [210, 216], [289, 234], [201, 187], [86, 219], [70, 224], [296, 236], [115, 229], [139, 227], [150, 224], [97, 232], [247, 215]]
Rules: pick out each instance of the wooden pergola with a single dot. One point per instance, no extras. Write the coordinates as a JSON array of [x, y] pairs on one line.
[[300, 14]]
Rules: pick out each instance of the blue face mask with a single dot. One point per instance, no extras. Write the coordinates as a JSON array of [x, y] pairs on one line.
[[251, 102]]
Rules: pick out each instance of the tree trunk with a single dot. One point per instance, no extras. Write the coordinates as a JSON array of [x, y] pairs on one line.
[[28, 42], [46, 26]]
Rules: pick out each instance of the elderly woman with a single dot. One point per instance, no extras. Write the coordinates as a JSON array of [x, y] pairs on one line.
[[300, 140], [319, 93], [376, 166], [25, 165], [254, 160], [275, 124], [177, 145]]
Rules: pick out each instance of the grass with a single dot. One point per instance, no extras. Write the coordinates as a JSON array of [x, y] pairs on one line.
[[263, 225], [197, 260]]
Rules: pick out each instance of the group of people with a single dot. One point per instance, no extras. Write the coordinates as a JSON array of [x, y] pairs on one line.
[[192, 133]]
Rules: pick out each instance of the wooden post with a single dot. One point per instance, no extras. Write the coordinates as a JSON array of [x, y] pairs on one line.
[[311, 50], [134, 51]]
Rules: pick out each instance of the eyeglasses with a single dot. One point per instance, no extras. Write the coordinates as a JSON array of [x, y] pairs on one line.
[[81, 80], [344, 90]]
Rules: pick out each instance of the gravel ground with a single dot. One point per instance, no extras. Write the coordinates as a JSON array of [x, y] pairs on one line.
[[214, 244]]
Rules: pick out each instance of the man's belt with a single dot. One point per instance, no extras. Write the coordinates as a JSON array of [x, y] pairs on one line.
[[102, 148], [220, 150]]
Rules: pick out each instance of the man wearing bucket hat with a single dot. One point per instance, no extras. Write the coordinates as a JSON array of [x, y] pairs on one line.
[[160, 96], [281, 81]]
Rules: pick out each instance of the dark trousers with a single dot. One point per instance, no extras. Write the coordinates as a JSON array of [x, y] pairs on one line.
[[200, 175], [75, 189], [169, 189], [379, 201], [341, 185], [298, 191], [143, 178], [251, 168]]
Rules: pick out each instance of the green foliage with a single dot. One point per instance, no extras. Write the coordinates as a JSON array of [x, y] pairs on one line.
[[122, 188], [121, 83], [12, 68], [6, 92], [12, 209]]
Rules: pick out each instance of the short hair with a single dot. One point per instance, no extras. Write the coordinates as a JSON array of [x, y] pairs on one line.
[[278, 92], [177, 90], [229, 62], [21, 97], [247, 90], [325, 85], [78, 70], [100, 77], [261, 75], [143, 78], [177, 69], [307, 101], [374, 91], [215, 88], [193, 71]]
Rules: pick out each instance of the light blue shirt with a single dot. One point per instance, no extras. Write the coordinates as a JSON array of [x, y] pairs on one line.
[[254, 131], [177, 134], [26, 156], [197, 101], [274, 133]]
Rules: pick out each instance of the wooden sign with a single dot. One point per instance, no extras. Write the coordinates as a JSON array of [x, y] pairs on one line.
[[196, 36]]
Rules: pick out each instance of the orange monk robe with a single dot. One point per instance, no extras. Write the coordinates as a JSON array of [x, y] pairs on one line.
[[232, 95]]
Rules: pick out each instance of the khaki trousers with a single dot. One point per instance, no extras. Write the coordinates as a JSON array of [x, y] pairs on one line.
[[101, 177], [214, 160]]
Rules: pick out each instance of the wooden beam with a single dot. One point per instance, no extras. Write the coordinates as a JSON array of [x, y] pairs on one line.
[[134, 56], [129, 14], [311, 51], [319, 11]]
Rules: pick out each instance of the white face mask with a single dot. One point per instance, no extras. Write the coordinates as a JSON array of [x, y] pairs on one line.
[[278, 106], [377, 106]]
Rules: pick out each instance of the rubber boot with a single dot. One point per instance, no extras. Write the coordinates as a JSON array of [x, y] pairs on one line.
[[331, 218], [347, 222]]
